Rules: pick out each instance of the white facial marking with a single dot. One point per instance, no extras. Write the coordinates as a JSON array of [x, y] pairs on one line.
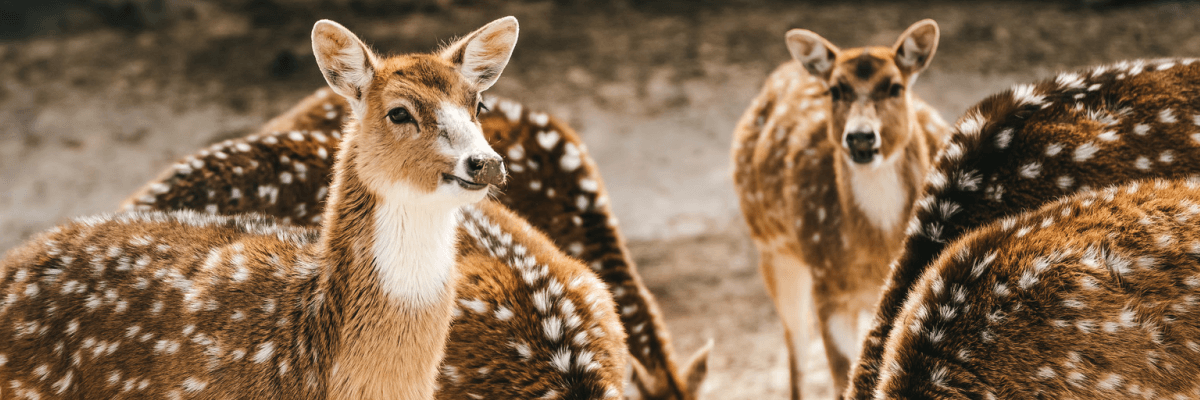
[[466, 138]]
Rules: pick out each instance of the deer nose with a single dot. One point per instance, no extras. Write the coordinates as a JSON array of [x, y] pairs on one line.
[[486, 168], [861, 141]]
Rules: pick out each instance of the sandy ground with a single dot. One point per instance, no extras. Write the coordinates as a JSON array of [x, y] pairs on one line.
[[91, 110]]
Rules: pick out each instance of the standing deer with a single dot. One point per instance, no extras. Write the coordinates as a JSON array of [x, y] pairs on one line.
[[827, 163], [1021, 148], [554, 184], [1090, 297], [187, 305]]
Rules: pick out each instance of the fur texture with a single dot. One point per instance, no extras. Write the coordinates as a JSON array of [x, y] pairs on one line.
[[1090, 297], [1021, 148]]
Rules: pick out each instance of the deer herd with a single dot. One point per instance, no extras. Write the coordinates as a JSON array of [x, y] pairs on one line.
[[399, 235]]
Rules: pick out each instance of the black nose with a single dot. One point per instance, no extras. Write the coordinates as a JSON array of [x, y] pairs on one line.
[[486, 168], [861, 146], [860, 140]]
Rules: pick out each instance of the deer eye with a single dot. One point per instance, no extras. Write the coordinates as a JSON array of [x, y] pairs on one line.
[[835, 93], [480, 109], [399, 115], [895, 90]]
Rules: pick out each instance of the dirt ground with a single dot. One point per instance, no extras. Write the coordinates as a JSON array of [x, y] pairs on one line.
[[95, 101]]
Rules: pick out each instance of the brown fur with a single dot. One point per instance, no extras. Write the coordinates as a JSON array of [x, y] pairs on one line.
[[1090, 297], [796, 186], [569, 204], [240, 307], [478, 340], [1020, 148]]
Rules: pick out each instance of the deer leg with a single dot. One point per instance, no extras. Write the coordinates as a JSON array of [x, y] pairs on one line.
[[843, 326], [790, 285]]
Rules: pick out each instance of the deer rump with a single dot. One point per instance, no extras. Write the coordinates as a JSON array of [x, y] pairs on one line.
[[1020, 148]]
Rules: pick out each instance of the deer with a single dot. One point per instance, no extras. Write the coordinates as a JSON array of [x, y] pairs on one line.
[[1093, 296], [284, 174], [827, 162], [553, 183], [1021, 148], [185, 304]]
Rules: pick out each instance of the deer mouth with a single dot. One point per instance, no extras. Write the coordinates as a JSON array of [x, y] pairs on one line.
[[863, 156], [463, 183]]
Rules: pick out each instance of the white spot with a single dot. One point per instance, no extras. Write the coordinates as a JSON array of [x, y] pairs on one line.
[[264, 352], [192, 385], [1003, 138], [1024, 94], [1031, 170], [1141, 129], [1064, 182], [539, 118], [1166, 157], [1167, 116], [503, 313], [1142, 163], [478, 306], [1108, 136], [1053, 149], [561, 360], [516, 152], [588, 185], [548, 139], [570, 159], [1086, 151]]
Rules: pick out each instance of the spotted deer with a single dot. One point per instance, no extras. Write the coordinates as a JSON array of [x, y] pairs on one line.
[[1018, 149], [520, 329], [182, 304], [553, 183], [1091, 297], [827, 163]]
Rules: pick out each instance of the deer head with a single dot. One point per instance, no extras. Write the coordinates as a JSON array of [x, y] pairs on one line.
[[871, 109], [419, 138]]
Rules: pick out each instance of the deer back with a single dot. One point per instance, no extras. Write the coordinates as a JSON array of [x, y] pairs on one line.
[[1020, 148], [1092, 296]]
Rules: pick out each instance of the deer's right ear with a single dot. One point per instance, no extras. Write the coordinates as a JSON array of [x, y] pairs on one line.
[[812, 51], [347, 63]]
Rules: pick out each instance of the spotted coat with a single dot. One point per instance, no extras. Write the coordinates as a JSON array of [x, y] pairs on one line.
[[1091, 297], [1023, 147], [553, 183], [84, 319], [800, 201]]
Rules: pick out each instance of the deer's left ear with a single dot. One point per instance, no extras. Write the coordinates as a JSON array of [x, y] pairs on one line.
[[696, 369], [482, 55], [916, 46]]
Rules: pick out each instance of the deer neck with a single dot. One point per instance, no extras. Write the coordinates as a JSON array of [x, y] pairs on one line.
[[881, 192], [390, 286]]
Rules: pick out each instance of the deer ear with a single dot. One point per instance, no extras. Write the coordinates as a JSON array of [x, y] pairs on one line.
[[812, 51], [347, 63], [696, 369], [646, 383], [482, 55], [916, 46]]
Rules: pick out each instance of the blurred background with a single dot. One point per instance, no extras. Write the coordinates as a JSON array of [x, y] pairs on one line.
[[98, 96]]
